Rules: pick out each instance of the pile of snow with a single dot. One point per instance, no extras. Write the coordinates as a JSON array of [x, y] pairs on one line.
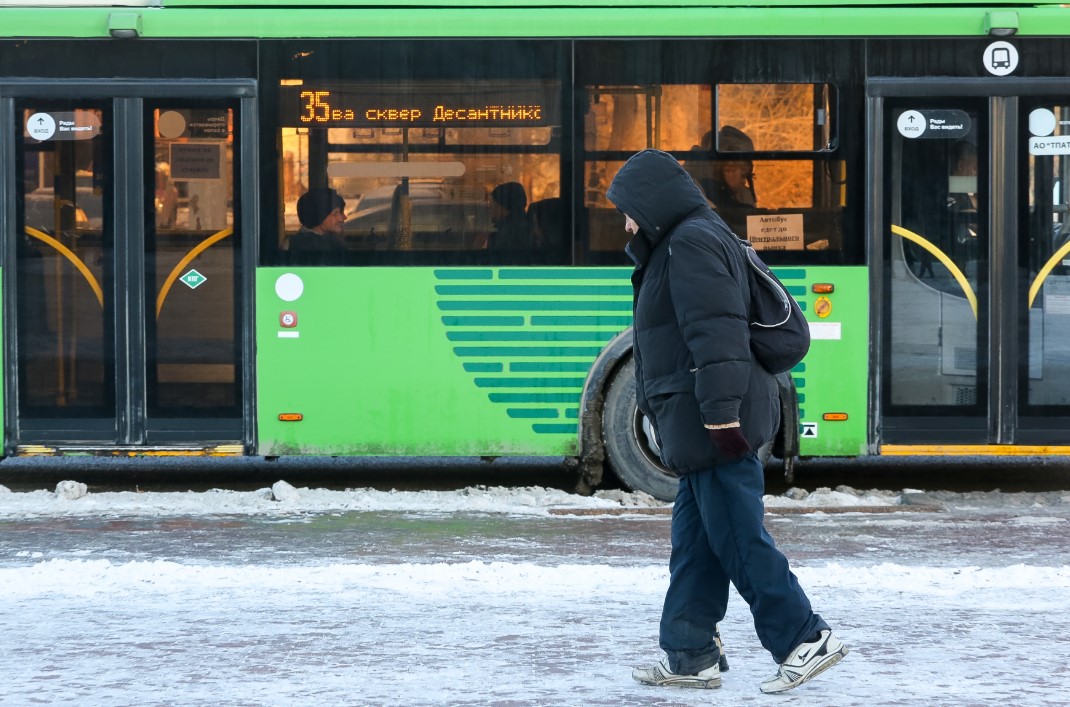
[[71, 490], [842, 497], [72, 498], [282, 491]]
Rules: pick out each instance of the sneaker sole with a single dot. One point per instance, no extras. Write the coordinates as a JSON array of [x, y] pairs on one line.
[[829, 661], [697, 683]]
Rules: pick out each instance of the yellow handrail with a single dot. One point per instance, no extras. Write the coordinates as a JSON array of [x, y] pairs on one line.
[[1045, 271], [197, 250], [947, 262], [69, 255]]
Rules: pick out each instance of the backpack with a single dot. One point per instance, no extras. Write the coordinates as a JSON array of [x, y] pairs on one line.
[[779, 334]]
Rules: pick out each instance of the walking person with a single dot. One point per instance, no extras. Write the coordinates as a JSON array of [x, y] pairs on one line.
[[711, 406]]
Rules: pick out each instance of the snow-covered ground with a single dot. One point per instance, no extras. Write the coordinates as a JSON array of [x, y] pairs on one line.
[[510, 596]]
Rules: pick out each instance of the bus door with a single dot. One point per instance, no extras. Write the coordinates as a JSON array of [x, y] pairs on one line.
[[974, 282], [124, 309]]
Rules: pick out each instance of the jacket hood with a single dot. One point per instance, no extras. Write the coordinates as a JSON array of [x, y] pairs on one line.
[[655, 190]]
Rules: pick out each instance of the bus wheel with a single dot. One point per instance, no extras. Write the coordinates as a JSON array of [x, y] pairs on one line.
[[630, 447], [630, 444]]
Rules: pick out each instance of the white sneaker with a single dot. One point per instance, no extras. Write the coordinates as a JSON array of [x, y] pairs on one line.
[[661, 676], [805, 662]]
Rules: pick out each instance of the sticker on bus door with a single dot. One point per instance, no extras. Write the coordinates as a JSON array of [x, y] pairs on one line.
[[942, 124], [1042, 125], [66, 125]]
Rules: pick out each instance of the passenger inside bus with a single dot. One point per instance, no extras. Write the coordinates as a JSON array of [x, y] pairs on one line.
[[508, 212], [548, 230], [319, 242], [728, 184]]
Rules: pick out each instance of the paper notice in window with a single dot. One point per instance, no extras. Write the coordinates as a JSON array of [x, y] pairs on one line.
[[775, 231]]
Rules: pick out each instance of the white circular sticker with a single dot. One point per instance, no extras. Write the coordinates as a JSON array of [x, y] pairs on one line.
[[1042, 122], [289, 287], [171, 124], [41, 126], [1001, 58], [911, 124]]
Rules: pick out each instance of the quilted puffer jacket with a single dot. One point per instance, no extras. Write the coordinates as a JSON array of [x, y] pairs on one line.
[[692, 337]]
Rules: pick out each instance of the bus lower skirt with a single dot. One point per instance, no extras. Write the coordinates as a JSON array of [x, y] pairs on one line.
[[219, 450], [929, 450]]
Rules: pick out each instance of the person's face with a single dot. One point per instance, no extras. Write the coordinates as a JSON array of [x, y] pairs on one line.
[[333, 222], [630, 225], [735, 175]]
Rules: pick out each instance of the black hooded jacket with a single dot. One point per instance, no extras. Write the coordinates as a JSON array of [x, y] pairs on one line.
[[693, 363]]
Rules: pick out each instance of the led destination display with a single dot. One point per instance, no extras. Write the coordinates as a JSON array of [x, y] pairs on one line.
[[474, 104]]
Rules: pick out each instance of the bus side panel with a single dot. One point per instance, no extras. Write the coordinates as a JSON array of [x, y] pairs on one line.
[[422, 361], [833, 378]]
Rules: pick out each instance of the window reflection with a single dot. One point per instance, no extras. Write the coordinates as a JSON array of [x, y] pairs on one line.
[[938, 243], [193, 322], [65, 355], [1048, 255]]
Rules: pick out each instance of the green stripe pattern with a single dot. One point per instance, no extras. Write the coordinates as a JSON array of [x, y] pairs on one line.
[[528, 336]]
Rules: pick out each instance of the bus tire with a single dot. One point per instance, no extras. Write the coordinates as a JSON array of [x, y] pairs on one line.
[[629, 451]]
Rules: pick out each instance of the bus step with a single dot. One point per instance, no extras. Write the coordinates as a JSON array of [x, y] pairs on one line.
[[216, 450]]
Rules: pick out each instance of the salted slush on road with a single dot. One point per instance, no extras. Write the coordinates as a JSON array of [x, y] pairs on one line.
[[520, 596]]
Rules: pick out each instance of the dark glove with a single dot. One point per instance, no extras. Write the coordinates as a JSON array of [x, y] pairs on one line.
[[730, 443]]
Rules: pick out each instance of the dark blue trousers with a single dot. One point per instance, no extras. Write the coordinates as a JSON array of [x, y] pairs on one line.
[[719, 536]]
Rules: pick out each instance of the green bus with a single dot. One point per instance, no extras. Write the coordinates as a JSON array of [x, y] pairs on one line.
[[903, 168]]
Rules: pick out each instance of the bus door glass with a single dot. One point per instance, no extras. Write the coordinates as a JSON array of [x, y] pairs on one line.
[[127, 297], [64, 262], [936, 236], [1044, 257], [192, 283]]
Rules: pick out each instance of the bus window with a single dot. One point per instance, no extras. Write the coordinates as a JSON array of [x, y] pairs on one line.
[[432, 171], [1047, 263], [789, 117], [788, 205], [605, 234]]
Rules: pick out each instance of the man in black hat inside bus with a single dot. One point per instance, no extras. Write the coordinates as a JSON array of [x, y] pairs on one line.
[[508, 212], [727, 183], [711, 405], [322, 213]]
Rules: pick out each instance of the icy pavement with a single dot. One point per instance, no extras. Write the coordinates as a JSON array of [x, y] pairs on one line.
[[510, 596]]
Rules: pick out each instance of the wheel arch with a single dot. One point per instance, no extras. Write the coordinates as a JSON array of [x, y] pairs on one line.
[[592, 451]]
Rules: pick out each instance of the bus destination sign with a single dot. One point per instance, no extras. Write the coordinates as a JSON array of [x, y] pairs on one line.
[[343, 106]]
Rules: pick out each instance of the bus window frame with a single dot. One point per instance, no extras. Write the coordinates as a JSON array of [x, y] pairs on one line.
[[313, 60], [828, 62]]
